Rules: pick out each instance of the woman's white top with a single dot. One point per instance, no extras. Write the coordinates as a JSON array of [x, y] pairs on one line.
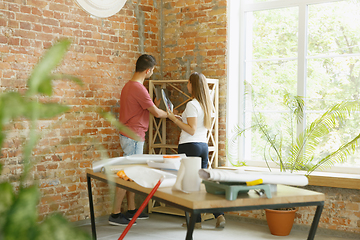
[[193, 109]]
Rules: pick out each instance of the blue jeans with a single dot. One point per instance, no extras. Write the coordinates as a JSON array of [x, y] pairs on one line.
[[130, 146], [196, 149]]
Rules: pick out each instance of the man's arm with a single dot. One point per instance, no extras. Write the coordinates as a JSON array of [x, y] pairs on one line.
[[157, 112]]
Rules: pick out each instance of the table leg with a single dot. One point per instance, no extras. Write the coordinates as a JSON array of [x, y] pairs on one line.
[[191, 225], [315, 222], [187, 218], [91, 205]]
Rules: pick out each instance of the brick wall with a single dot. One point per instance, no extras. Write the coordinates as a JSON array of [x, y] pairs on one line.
[[103, 55], [194, 40], [184, 36], [341, 210]]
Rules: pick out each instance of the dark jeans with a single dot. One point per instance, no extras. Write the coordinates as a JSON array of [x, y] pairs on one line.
[[197, 149]]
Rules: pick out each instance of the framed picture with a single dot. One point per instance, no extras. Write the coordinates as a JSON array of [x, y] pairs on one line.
[[168, 104]]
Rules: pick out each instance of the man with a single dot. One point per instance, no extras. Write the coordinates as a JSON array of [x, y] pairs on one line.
[[135, 106]]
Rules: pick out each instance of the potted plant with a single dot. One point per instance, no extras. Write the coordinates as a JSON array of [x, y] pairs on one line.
[[300, 150], [18, 209]]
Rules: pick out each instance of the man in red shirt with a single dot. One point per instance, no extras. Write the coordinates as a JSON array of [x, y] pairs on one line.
[[135, 106]]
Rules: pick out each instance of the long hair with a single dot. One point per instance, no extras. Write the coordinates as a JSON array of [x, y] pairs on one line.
[[200, 91]]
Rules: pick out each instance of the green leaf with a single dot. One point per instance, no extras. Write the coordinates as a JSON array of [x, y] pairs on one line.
[[337, 156], [111, 118], [40, 80], [36, 110], [50, 110], [6, 199], [46, 86], [61, 76], [22, 216], [55, 227], [12, 105], [7, 196], [2, 136]]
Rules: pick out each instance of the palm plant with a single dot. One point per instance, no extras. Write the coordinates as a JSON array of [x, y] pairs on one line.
[[300, 152]]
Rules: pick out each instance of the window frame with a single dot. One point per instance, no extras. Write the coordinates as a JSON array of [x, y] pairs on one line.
[[236, 73]]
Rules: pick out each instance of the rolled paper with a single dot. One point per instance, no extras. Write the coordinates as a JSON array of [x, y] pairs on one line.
[[223, 175], [133, 159]]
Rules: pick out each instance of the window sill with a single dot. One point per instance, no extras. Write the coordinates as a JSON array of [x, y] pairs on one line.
[[338, 180], [324, 179]]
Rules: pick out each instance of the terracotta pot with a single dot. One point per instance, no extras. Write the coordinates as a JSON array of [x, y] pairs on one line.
[[280, 222]]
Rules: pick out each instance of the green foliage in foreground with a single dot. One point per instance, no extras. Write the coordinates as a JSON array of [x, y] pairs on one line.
[[19, 218], [18, 210]]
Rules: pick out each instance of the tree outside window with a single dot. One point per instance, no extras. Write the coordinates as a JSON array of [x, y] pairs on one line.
[[309, 48]]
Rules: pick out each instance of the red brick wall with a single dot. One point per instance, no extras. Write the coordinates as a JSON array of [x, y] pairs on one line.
[[184, 36], [103, 55], [341, 210], [195, 41]]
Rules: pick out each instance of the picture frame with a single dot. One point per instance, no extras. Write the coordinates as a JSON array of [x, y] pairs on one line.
[[168, 104]]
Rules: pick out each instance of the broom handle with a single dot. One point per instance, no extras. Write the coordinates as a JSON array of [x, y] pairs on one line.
[[141, 209]]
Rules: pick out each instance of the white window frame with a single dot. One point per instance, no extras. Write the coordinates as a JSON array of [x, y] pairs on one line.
[[236, 57]]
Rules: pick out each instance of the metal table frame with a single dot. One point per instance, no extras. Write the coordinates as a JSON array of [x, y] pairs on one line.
[[195, 212]]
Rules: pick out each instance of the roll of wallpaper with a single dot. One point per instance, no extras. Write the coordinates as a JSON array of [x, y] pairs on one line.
[[222, 175], [133, 159], [116, 168]]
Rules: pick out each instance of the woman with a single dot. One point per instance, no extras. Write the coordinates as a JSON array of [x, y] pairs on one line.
[[194, 124]]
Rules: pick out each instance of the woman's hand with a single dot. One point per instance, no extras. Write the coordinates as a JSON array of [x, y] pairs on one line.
[[188, 127], [171, 116]]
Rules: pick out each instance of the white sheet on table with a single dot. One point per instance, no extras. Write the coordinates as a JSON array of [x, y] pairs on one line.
[[149, 177], [222, 175]]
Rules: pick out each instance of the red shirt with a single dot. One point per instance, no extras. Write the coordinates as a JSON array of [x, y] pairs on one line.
[[134, 102]]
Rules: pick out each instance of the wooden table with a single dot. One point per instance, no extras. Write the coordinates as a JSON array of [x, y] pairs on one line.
[[202, 202]]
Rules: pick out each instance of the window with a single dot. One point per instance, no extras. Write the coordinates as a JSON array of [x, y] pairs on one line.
[[309, 48]]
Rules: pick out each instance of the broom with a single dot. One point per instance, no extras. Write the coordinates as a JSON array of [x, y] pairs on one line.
[[141, 209]]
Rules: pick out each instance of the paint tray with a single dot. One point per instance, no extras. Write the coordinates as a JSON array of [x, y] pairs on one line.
[[232, 189]]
